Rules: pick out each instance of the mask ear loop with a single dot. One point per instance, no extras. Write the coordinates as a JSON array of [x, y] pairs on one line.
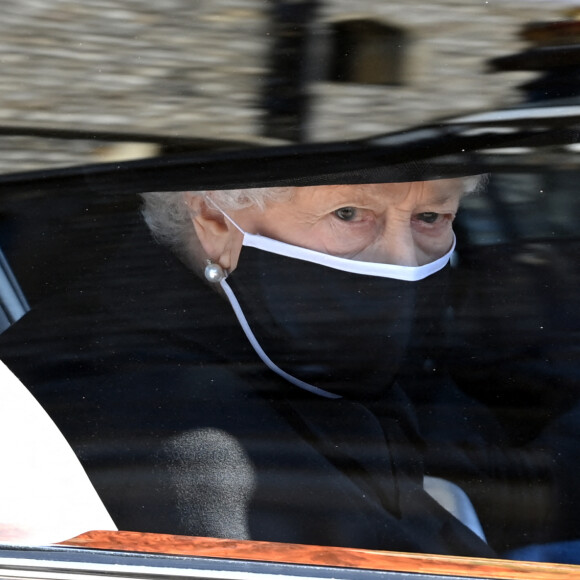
[[248, 331], [210, 201], [262, 354]]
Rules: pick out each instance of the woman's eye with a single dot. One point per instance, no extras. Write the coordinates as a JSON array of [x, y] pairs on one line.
[[429, 217], [346, 214]]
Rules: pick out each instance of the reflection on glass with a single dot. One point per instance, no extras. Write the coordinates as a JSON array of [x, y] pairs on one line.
[[313, 369]]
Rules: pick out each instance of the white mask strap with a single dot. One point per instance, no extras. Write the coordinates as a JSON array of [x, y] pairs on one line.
[[210, 201], [260, 351], [381, 270]]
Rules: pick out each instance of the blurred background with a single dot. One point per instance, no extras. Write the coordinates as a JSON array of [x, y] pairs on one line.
[[172, 75]]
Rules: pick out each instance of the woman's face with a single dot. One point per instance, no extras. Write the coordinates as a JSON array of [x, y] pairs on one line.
[[408, 224]]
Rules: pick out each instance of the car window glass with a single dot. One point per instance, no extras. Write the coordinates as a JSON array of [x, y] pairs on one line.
[[270, 291]]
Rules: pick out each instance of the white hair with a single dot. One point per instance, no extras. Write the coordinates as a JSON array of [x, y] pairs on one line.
[[169, 216], [475, 183]]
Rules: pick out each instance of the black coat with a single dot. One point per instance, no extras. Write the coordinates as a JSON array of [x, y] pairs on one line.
[[183, 430]]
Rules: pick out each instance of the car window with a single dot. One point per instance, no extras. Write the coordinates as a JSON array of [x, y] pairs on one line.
[[286, 273]]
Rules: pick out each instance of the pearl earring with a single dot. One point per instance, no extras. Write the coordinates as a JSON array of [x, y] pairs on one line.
[[214, 273]]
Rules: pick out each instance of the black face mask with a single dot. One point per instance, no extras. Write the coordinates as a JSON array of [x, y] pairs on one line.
[[330, 331]]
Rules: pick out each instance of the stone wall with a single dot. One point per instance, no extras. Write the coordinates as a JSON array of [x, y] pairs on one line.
[[196, 68], [449, 45]]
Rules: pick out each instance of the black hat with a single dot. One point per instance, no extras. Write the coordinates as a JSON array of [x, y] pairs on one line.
[[449, 148]]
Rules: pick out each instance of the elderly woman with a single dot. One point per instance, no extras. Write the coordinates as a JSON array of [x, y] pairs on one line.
[[325, 283], [356, 251], [297, 393]]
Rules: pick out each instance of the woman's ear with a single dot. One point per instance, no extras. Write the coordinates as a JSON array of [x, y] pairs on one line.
[[219, 238]]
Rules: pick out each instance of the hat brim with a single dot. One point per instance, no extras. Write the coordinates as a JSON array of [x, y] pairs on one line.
[[443, 150]]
